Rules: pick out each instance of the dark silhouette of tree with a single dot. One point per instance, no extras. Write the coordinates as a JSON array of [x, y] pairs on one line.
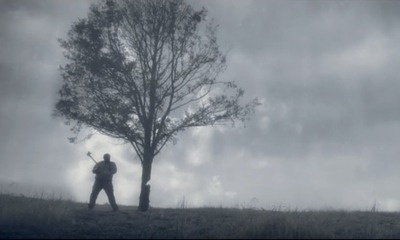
[[143, 71]]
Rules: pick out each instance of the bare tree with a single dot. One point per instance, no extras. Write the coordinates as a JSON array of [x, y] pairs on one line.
[[142, 71]]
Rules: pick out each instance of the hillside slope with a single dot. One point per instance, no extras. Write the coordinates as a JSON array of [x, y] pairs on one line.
[[24, 217]]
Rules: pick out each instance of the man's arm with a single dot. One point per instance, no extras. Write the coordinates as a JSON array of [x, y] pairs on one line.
[[96, 168], [113, 168]]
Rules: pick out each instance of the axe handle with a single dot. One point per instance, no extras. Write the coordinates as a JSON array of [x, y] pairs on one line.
[[92, 158]]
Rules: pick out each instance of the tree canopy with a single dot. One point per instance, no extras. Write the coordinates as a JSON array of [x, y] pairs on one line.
[[143, 71]]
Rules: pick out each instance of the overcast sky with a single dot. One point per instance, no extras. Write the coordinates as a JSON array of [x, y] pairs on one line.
[[326, 136]]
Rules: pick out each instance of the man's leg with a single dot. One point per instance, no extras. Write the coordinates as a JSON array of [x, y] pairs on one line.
[[95, 192], [108, 188]]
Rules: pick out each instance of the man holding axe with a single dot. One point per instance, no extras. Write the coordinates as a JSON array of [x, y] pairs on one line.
[[104, 171]]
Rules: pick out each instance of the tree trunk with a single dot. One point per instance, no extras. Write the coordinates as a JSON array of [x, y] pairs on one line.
[[144, 198]]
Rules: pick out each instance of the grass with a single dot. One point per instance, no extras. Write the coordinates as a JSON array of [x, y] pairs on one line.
[[26, 217]]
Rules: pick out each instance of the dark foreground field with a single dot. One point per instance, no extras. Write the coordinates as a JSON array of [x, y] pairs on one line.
[[23, 217]]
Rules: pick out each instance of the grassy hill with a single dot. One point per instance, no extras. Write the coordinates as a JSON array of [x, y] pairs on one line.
[[25, 217]]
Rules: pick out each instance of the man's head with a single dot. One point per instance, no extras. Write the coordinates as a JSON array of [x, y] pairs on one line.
[[106, 157]]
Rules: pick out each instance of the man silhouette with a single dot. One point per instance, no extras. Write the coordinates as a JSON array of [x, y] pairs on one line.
[[104, 171]]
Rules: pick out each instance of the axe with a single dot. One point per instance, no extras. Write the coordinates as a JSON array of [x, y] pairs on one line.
[[89, 154]]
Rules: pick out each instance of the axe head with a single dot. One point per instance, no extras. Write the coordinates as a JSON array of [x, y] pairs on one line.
[[89, 155]]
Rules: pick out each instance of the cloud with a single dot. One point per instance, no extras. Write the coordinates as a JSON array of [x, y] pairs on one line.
[[33, 145]]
